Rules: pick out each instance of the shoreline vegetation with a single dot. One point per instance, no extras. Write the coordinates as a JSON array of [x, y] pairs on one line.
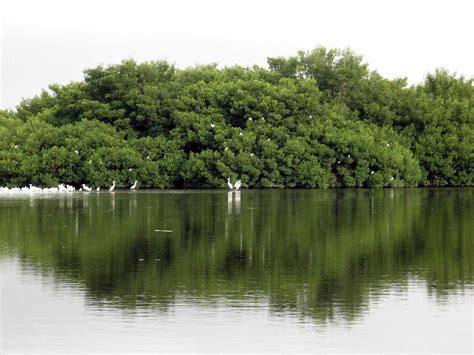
[[319, 119]]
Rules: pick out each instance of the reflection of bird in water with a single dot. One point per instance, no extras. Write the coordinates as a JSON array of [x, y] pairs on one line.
[[112, 187], [237, 201], [230, 199], [134, 186]]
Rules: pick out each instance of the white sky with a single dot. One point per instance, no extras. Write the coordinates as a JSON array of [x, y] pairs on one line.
[[53, 41]]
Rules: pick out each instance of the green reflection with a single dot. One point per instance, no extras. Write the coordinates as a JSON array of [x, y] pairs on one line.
[[318, 253]]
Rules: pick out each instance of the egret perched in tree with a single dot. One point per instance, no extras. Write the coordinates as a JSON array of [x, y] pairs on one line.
[[112, 187], [134, 186]]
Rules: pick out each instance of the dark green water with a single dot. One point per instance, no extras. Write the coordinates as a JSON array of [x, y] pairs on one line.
[[287, 270]]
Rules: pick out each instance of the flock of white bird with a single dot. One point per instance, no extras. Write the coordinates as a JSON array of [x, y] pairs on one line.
[[61, 188]]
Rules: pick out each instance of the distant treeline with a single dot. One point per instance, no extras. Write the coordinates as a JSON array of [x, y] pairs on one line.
[[317, 119]]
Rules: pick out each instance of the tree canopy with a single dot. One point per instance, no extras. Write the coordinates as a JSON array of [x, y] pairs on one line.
[[317, 119]]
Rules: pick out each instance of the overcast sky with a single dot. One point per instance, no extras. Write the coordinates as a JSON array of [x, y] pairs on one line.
[[46, 41]]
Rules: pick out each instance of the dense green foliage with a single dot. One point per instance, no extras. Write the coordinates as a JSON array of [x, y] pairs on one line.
[[318, 119], [322, 254]]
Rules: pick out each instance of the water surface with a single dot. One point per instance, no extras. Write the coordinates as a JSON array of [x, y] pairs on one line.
[[287, 270]]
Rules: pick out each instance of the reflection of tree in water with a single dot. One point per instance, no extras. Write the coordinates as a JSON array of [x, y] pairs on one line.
[[321, 254]]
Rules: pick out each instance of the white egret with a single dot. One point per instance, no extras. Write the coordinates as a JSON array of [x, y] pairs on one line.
[[134, 186], [76, 152], [85, 187], [34, 188], [234, 187], [237, 185], [212, 125], [241, 134], [112, 187], [231, 186], [98, 188]]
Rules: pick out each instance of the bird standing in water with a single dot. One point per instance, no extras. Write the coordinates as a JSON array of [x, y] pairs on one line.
[[237, 185], [234, 187], [231, 186]]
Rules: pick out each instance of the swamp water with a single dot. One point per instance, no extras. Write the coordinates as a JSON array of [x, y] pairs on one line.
[[204, 271]]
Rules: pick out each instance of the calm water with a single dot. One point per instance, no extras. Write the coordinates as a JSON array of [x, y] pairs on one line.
[[300, 270]]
